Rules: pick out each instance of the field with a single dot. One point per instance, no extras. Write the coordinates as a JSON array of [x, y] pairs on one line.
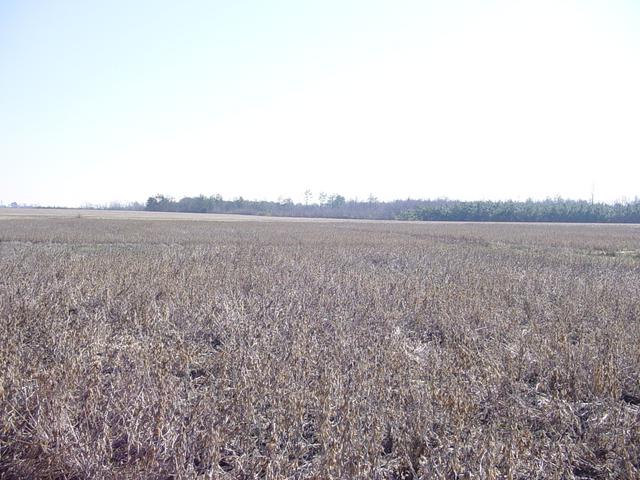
[[172, 346]]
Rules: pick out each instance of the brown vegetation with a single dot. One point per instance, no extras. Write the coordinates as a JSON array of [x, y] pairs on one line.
[[185, 349]]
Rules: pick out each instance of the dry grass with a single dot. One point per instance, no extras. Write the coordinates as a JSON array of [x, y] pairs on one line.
[[185, 349]]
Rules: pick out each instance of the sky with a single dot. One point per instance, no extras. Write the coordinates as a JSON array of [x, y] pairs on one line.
[[120, 100]]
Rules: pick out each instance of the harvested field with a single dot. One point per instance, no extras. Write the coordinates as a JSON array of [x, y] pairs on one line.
[[182, 348]]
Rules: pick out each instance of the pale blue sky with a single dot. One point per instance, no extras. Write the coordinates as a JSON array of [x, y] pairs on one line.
[[118, 100]]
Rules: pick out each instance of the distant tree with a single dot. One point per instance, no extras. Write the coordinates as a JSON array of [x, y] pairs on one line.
[[152, 204], [336, 200], [159, 203]]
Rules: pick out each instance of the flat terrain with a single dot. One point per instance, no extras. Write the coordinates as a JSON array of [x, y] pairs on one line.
[[136, 215], [210, 346]]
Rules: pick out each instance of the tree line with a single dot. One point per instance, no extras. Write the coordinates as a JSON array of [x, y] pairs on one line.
[[337, 206], [556, 210]]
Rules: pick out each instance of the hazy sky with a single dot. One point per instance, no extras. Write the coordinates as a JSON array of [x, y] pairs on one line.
[[118, 100]]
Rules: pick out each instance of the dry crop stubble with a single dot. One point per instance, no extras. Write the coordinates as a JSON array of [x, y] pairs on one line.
[[137, 348]]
